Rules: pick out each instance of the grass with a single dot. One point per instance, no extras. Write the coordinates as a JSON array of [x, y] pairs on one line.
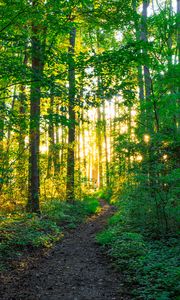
[[20, 230]]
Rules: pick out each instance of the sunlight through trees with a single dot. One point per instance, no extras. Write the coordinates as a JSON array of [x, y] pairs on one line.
[[89, 102]]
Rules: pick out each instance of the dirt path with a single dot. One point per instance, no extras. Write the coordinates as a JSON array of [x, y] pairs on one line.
[[75, 269]]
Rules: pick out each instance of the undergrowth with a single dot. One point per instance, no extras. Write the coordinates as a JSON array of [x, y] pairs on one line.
[[104, 194], [150, 266], [20, 230]]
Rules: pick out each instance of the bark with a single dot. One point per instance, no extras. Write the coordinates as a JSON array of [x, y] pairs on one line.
[[79, 156], [56, 153], [34, 131], [178, 29], [111, 149], [140, 71], [144, 37], [8, 143], [51, 138], [63, 143], [106, 146], [2, 118], [84, 143], [89, 166], [147, 76], [9, 126], [22, 127], [79, 126], [71, 134], [129, 142], [22, 130], [99, 146], [178, 49], [170, 39]]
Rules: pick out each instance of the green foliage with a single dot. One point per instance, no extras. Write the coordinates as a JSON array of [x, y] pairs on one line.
[[105, 194], [117, 54], [151, 208], [90, 204], [149, 265], [159, 272], [21, 230], [68, 214]]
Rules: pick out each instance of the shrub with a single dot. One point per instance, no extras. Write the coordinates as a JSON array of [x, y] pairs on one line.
[[149, 265], [22, 230]]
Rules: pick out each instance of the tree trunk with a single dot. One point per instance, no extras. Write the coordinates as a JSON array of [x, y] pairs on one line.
[[147, 77], [63, 148], [79, 155], [51, 139], [84, 143], [34, 132], [22, 130], [139, 38], [106, 146], [99, 145], [71, 134], [178, 49], [2, 118], [129, 123], [178, 30], [8, 144]]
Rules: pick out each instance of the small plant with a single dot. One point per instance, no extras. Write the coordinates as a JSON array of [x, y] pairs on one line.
[[149, 265], [22, 230]]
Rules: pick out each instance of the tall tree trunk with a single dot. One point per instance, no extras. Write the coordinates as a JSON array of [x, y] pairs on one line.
[[51, 138], [99, 145], [178, 49], [145, 39], [138, 28], [170, 64], [22, 130], [84, 143], [78, 138], [63, 148], [34, 132], [89, 144], [56, 152], [106, 145], [8, 144], [178, 30], [129, 123], [79, 127], [70, 195], [22, 124], [111, 148], [2, 118], [147, 76]]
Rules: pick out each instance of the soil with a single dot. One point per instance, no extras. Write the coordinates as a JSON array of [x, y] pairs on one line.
[[75, 269]]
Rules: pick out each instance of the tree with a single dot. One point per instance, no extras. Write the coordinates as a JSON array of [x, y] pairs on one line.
[[72, 119], [38, 47]]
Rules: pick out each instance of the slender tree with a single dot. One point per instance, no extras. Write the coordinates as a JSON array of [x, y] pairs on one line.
[[70, 195], [2, 125], [51, 138], [38, 45]]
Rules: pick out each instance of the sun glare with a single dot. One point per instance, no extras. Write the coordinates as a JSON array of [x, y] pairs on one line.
[[133, 113], [43, 148], [146, 138], [165, 156], [139, 158]]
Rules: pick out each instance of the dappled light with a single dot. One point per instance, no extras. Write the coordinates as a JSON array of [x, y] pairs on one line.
[[89, 149]]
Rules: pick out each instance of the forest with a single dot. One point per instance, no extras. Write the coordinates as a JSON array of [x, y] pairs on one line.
[[89, 149]]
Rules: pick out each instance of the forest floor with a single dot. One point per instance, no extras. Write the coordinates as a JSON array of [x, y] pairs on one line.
[[75, 269]]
